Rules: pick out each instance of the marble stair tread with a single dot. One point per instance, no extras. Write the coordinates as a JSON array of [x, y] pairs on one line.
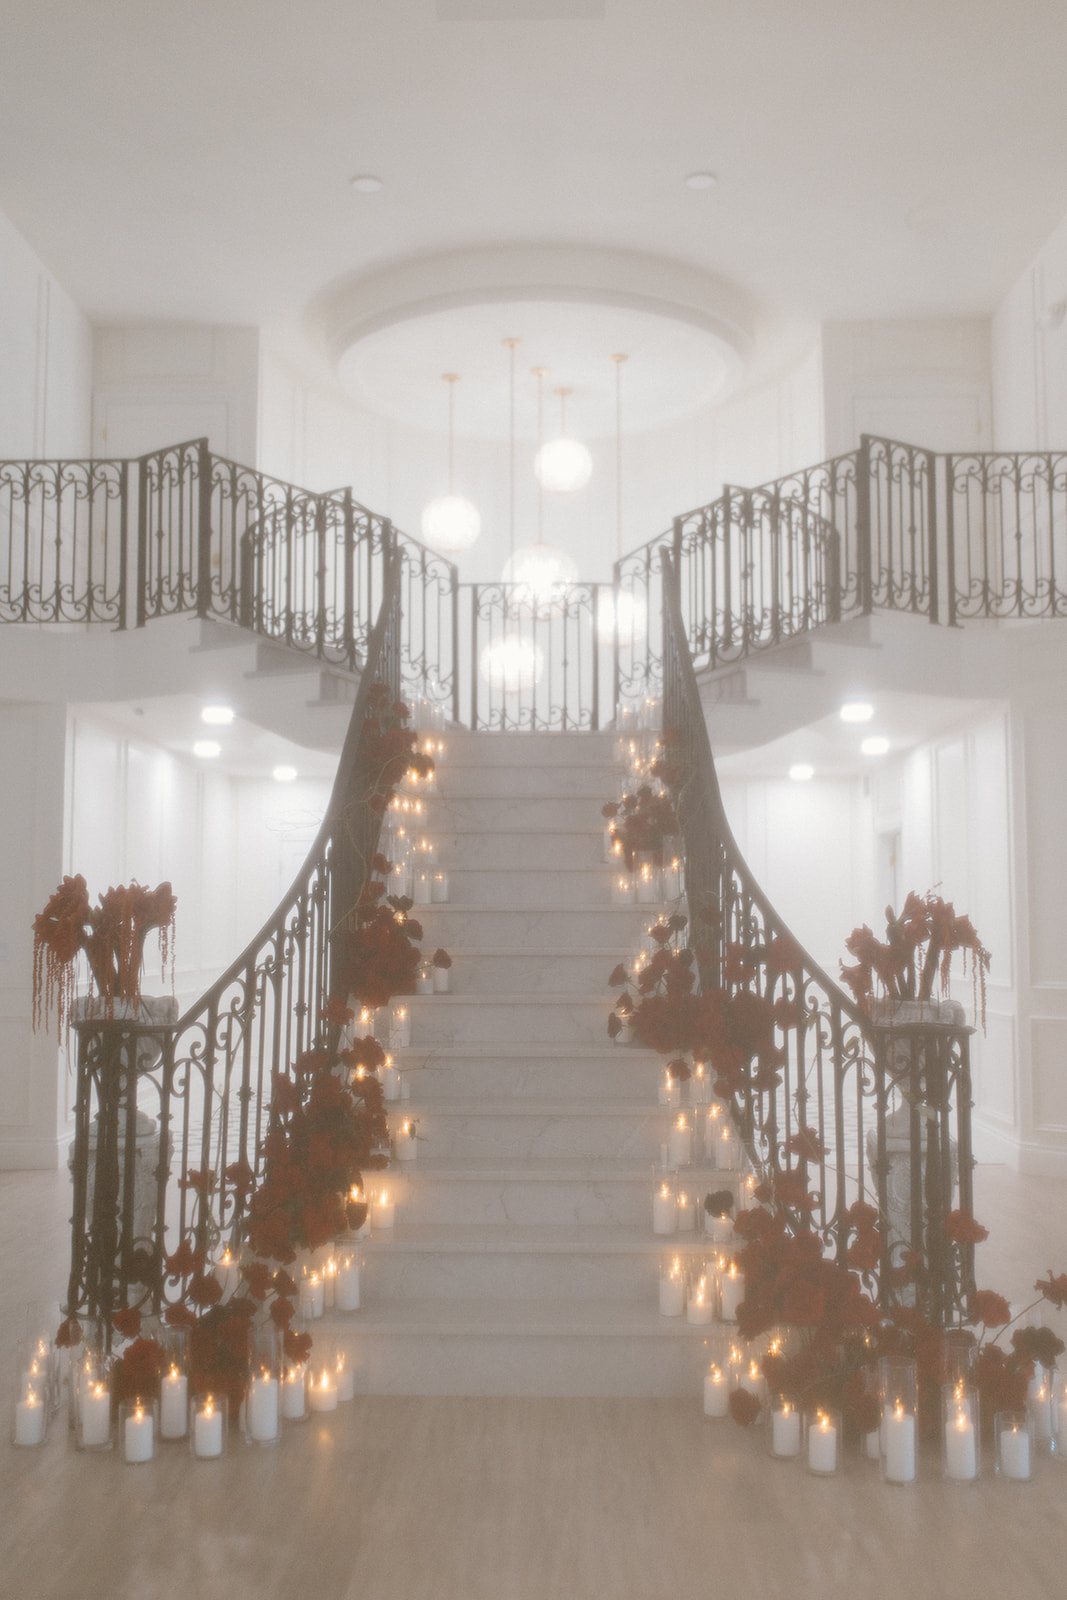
[[508, 1106], [414, 1057], [541, 1169], [519, 997], [448, 1238], [610, 1319]]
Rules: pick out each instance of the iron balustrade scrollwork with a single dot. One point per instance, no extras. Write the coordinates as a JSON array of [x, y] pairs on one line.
[[839, 1073], [209, 1093], [539, 664], [430, 606], [63, 541], [1006, 534]]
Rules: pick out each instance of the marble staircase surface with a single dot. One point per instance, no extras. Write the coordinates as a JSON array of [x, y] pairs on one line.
[[523, 1259]]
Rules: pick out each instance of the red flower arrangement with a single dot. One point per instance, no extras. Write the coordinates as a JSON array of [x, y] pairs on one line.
[[640, 822], [111, 935], [917, 950]]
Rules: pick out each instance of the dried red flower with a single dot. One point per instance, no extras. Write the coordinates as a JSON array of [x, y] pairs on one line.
[[744, 1407], [961, 1228], [989, 1308], [1054, 1290]]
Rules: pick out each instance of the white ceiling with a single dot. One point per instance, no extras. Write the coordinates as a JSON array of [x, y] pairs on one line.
[[180, 159]]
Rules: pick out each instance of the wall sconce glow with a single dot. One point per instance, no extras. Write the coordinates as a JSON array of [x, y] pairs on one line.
[[540, 569], [284, 774], [217, 716], [207, 749], [856, 711], [451, 524], [631, 611], [801, 772], [876, 745], [511, 664], [563, 466]]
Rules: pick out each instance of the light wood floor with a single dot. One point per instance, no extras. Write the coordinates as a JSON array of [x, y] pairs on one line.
[[516, 1499]]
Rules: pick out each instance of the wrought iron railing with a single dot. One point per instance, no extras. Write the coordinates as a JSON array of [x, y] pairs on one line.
[[202, 1086], [540, 664], [856, 1083]]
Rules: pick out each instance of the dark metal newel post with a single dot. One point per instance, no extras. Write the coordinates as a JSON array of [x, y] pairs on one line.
[[203, 531], [863, 524]]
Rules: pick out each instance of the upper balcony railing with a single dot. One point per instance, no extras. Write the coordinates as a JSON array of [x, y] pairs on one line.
[[887, 527]]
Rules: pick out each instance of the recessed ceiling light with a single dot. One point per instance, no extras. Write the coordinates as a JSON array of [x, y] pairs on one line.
[[217, 716], [283, 774], [207, 749], [875, 745], [857, 711], [801, 772], [701, 180], [366, 183]]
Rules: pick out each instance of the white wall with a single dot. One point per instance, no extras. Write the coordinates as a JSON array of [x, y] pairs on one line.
[[925, 382], [1030, 354], [45, 358], [162, 383]]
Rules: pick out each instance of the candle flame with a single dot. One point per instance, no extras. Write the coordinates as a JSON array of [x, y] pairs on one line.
[[174, 1373], [209, 1407], [898, 1411], [963, 1421]]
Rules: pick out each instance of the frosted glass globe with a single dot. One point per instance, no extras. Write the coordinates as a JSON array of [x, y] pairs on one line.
[[563, 466], [540, 569], [632, 613], [450, 523], [511, 663]]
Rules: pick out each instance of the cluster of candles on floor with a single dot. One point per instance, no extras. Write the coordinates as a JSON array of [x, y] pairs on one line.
[[815, 1435], [412, 855], [653, 876], [279, 1391]]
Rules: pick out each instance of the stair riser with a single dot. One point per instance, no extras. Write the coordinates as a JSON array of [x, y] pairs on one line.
[[569, 973], [532, 780], [603, 1203], [437, 1021], [527, 749], [503, 852], [513, 887], [520, 814], [387, 1363], [625, 1278], [637, 1135], [630, 1073], [581, 928]]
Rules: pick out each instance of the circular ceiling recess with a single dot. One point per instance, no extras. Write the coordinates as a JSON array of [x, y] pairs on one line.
[[687, 336]]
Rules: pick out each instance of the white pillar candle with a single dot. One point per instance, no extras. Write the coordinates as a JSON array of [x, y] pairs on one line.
[[669, 1092], [698, 1304], [732, 1291], [1014, 1447], [392, 1087], [294, 1394], [752, 1379], [622, 889], [312, 1296], [423, 888], [647, 887], [424, 980], [407, 1146], [322, 1394], [346, 1294], [442, 980], [785, 1430], [872, 1444], [440, 888], [664, 1210], [699, 1086], [672, 878], [399, 1028], [174, 1405], [672, 1292], [329, 1283], [716, 1393], [344, 1377], [138, 1435], [1039, 1405], [898, 1429], [687, 1214], [822, 1444], [263, 1408], [384, 1212], [227, 1274], [29, 1419], [680, 1144], [207, 1430], [961, 1454], [725, 1149], [94, 1405]]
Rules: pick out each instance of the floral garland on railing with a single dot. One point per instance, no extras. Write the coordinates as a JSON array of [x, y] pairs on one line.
[[327, 1126], [831, 1330]]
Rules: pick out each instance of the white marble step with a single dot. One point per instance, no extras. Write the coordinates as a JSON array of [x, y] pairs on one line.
[[455, 1019], [526, 1347], [485, 970], [527, 1130], [516, 1263], [562, 927], [601, 1192], [514, 1071], [526, 888], [517, 812], [592, 781], [525, 849], [528, 749]]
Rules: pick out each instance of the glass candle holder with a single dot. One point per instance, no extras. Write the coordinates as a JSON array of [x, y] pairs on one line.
[[344, 1374], [785, 1429], [29, 1423], [138, 1430], [750, 1377], [716, 1391], [731, 1292], [173, 1403], [358, 1212], [383, 1210], [442, 980], [960, 1436], [664, 1206], [669, 1092], [685, 1205], [723, 1146], [424, 978], [699, 1084], [899, 1430], [700, 1298], [824, 1442], [440, 888], [1039, 1403], [1013, 1435], [347, 1282], [406, 1140], [423, 895], [208, 1427], [91, 1404], [392, 1083], [262, 1407], [623, 888], [312, 1295], [399, 1026], [680, 1142], [293, 1393], [322, 1387], [672, 1288], [646, 877]]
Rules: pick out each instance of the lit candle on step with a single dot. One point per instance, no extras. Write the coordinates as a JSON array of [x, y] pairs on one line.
[[423, 887], [898, 1428], [672, 1290], [346, 1293], [716, 1393], [384, 1211], [699, 1085], [686, 1210], [344, 1377], [440, 888], [732, 1290], [138, 1437], [664, 1210], [294, 1394], [785, 1431], [95, 1409], [174, 1405], [207, 1429], [407, 1145], [29, 1419], [646, 884], [822, 1445], [961, 1455], [312, 1296], [680, 1147], [323, 1391], [698, 1305], [262, 1408], [1013, 1445], [622, 889], [669, 1091]]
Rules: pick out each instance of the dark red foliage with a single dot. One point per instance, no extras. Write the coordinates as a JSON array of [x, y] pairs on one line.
[[1054, 1290], [744, 1407], [961, 1228], [990, 1308], [127, 1322]]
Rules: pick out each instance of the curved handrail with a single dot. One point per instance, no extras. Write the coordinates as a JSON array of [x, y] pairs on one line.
[[836, 1071]]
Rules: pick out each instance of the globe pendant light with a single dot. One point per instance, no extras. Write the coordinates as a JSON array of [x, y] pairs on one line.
[[451, 523], [563, 465], [512, 664], [538, 571]]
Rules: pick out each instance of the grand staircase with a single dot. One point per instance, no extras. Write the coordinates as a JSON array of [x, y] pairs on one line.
[[523, 1259]]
